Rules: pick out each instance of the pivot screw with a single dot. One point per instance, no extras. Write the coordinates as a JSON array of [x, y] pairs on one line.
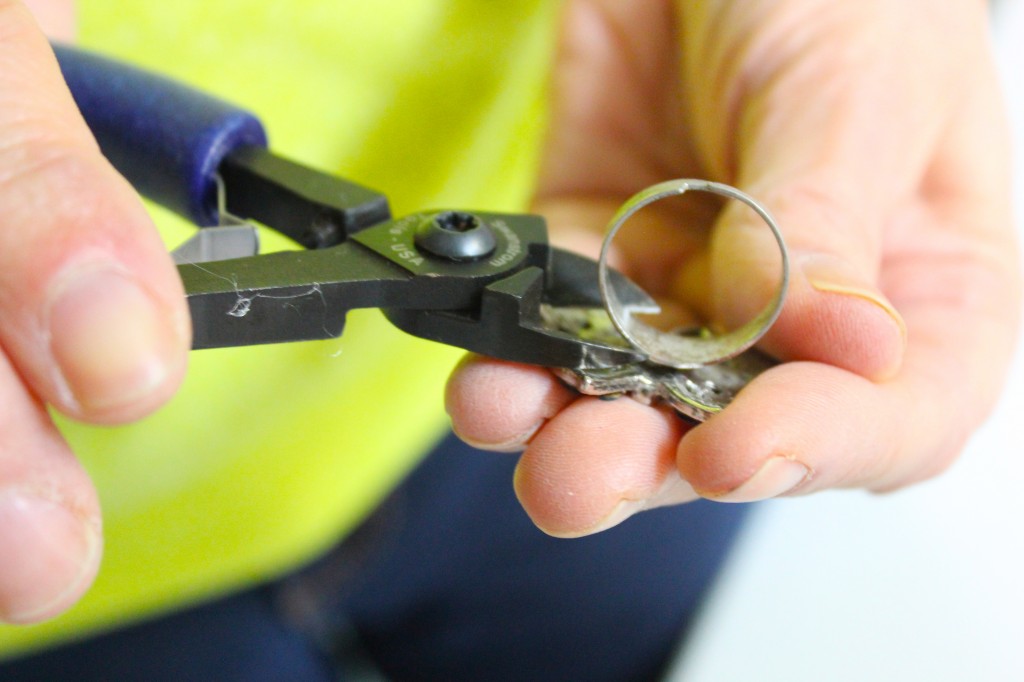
[[457, 236]]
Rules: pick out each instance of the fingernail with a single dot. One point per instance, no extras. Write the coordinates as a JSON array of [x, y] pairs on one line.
[[673, 491], [777, 476], [619, 513], [513, 444], [834, 275], [110, 342], [49, 554], [622, 511]]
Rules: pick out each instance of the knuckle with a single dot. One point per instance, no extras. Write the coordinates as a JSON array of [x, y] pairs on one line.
[[820, 212], [926, 466], [51, 185], [54, 202], [15, 22], [921, 458]]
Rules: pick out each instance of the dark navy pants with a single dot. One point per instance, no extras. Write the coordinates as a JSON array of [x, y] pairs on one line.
[[448, 580]]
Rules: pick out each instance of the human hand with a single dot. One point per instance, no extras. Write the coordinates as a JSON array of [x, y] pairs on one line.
[[874, 133], [93, 320]]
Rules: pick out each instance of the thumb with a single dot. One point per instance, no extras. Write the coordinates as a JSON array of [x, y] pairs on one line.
[[835, 310], [94, 314], [93, 321], [836, 151]]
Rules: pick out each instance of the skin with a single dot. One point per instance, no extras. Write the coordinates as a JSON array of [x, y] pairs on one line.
[[873, 131], [94, 322]]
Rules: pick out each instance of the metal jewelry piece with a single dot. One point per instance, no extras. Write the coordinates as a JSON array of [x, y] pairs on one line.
[[694, 393], [695, 372], [686, 351]]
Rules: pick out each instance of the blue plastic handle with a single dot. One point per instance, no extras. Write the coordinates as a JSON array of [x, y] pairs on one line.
[[166, 138]]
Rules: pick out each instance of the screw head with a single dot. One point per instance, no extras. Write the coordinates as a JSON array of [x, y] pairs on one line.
[[457, 236]]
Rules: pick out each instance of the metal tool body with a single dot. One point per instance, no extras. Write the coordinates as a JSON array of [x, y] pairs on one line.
[[488, 304], [486, 282]]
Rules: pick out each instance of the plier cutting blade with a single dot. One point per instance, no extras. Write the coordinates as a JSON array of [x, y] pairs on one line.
[[485, 282]]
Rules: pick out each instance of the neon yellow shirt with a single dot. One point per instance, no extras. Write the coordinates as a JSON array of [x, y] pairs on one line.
[[270, 454]]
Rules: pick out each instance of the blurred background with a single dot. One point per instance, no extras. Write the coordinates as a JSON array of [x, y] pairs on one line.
[[924, 584]]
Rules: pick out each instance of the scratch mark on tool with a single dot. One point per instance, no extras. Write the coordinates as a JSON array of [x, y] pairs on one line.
[[243, 304], [241, 307]]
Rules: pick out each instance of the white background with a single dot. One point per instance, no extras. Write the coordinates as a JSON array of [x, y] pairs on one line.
[[926, 584]]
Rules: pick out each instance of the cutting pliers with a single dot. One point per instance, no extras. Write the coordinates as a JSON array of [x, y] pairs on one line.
[[486, 282]]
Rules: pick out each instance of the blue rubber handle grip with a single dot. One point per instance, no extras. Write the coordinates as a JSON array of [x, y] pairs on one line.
[[166, 138]]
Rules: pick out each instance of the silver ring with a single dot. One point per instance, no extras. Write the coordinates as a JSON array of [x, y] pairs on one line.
[[674, 350]]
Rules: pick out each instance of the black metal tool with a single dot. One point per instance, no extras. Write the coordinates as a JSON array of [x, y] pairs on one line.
[[485, 282]]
